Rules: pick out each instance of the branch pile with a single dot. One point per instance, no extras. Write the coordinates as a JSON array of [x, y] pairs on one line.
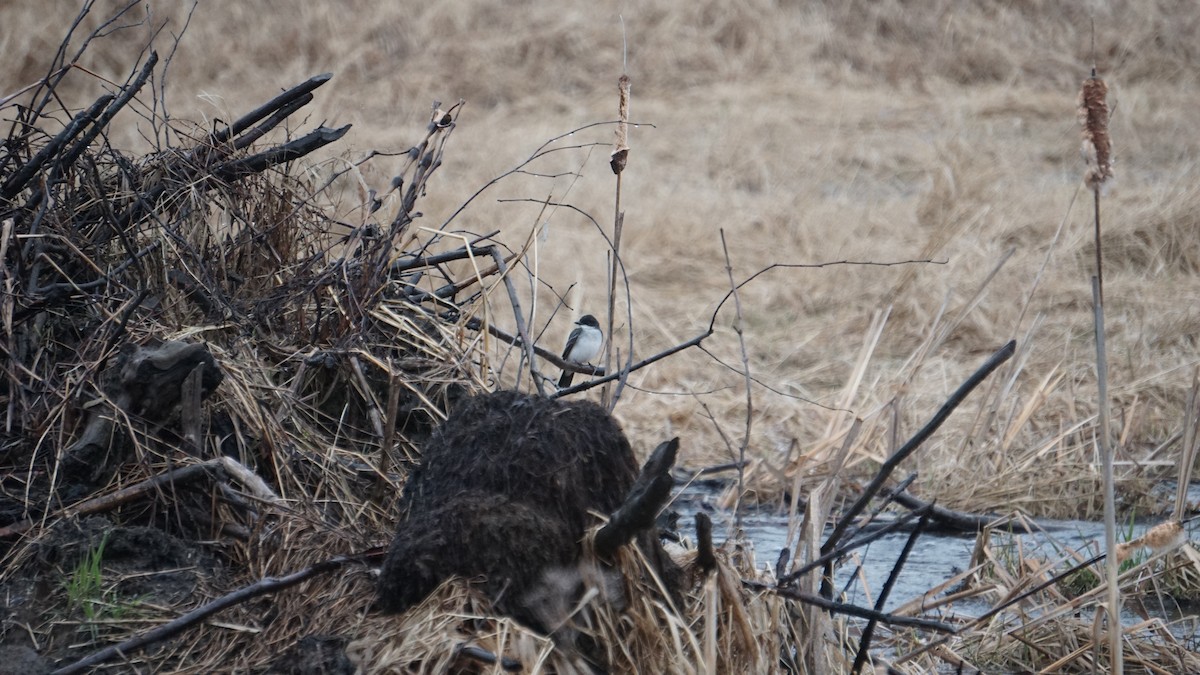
[[194, 346]]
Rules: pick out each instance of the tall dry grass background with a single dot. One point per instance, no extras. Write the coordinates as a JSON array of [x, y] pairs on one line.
[[810, 132]]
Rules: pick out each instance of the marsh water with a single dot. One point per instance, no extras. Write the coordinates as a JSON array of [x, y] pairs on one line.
[[937, 557]]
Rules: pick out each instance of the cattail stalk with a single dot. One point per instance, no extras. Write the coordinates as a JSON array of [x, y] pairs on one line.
[[1097, 152], [617, 161], [1187, 458]]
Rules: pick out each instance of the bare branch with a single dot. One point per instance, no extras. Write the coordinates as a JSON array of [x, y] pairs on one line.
[[876, 484], [172, 628]]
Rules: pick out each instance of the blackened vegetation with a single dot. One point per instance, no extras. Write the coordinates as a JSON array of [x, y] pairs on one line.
[[505, 495], [315, 655], [145, 382], [148, 561], [165, 310], [106, 255]]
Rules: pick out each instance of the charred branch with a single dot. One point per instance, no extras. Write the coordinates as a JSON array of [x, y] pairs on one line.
[[649, 494]]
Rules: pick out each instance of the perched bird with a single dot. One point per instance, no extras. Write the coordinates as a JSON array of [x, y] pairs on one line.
[[582, 346]]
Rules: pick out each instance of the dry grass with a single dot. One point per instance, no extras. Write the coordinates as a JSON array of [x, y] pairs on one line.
[[867, 131], [646, 636], [863, 131], [1059, 628], [832, 132]]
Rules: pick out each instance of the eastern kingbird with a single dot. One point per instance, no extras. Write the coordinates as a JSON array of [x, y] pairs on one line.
[[582, 346]]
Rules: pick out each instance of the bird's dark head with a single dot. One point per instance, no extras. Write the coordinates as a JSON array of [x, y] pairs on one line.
[[588, 320]]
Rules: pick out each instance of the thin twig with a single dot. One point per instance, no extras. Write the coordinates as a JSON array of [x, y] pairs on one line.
[[864, 643], [885, 471], [519, 318], [583, 386], [739, 328], [474, 323], [542, 150], [260, 587], [833, 263], [852, 610], [713, 321]]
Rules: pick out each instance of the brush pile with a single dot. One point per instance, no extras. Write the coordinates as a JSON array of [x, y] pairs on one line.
[[214, 391], [209, 379]]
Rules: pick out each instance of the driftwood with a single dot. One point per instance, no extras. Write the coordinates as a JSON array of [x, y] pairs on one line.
[[650, 493], [889, 465], [143, 382], [550, 357], [835, 547], [583, 386], [876, 484], [949, 520], [852, 610]]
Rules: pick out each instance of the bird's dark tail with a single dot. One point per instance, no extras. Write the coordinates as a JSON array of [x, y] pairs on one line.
[[565, 380]]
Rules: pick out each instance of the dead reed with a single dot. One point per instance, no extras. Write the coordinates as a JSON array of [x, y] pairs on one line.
[[617, 161], [1039, 624], [1093, 115]]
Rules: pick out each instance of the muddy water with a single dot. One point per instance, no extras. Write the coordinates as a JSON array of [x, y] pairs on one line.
[[935, 558]]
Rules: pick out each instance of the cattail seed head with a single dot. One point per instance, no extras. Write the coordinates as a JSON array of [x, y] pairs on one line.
[[1164, 536], [620, 153], [1093, 116], [1124, 551]]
